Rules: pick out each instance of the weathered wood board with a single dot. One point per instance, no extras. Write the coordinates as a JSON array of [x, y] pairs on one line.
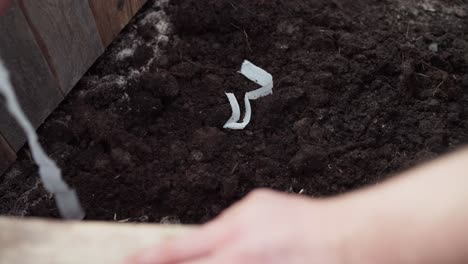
[[34, 83], [112, 16], [7, 155], [34, 241], [48, 46], [68, 33]]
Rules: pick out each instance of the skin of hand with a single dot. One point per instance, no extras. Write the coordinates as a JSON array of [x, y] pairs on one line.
[[4, 6], [265, 227], [420, 216]]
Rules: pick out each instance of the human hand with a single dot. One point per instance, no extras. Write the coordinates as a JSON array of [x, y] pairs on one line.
[[4, 6], [264, 228], [400, 221]]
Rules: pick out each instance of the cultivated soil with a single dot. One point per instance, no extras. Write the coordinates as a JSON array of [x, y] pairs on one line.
[[363, 89]]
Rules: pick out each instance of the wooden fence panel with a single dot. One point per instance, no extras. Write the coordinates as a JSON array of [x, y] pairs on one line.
[[68, 33], [47, 46], [34, 83], [113, 15], [7, 155]]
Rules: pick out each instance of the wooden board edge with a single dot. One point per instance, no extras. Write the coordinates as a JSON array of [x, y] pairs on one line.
[[40, 241]]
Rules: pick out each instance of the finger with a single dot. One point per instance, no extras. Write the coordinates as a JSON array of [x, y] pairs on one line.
[[197, 244]]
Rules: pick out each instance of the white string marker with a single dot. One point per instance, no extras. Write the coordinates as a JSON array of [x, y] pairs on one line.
[[51, 176], [259, 76]]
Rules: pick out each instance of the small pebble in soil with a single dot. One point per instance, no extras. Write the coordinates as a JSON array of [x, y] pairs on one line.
[[122, 157], [101, 163], [461, 13], [434, 47], [288, 28], [360, 58], [125, 54], [197, 155], [434, 102]]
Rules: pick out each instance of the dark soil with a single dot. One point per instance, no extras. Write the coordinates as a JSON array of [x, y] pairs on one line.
[[363, 89]]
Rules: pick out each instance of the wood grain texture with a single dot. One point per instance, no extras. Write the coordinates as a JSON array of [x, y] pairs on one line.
[[68, 35], [34, 83], [113, 15], [7, 155], [34, 241]]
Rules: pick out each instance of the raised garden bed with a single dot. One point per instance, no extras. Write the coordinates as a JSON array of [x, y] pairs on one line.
[[363, 89]]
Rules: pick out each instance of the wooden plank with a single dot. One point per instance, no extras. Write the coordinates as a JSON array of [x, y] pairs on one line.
[[7, 155], [35, 85], [27, 241], [112, 16], [67, 32]]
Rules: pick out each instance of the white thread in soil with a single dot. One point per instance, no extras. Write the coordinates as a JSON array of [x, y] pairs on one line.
[[51, 176], [259, 76]]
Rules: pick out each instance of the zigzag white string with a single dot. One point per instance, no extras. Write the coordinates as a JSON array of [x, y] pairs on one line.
[[259, 76], [51, 176]]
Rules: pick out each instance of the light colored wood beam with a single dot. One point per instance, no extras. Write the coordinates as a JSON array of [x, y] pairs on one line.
[[38, 241]]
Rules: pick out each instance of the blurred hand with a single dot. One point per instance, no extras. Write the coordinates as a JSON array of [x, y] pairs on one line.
[[264, 228], [4, 6], [417, 218]]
